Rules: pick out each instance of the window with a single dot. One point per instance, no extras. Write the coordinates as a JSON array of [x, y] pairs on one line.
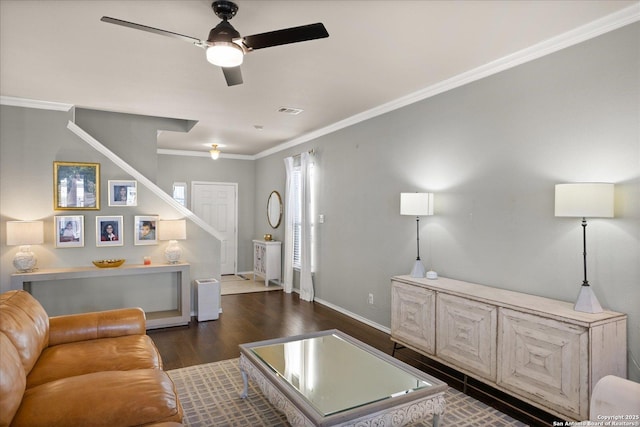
[[180, 192], [296, 179]]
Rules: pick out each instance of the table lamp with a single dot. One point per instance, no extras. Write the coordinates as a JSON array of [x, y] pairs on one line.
[[417, 204], [172, 231], [594, 200], [25, 234]]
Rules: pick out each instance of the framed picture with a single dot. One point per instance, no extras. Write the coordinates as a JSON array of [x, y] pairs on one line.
[[69, 231], [109, 231], [123, 193], [76, 186], [144, 230]]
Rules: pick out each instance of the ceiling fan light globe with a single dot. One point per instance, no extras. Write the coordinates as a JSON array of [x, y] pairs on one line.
[[225, 54]]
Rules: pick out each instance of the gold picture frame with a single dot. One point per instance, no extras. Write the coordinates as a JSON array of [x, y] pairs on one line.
[[76, 186]]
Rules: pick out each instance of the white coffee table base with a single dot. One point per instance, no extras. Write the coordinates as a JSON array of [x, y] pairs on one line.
[[399, 415]]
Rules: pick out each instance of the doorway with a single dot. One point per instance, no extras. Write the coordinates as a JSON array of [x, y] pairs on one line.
[[217, 204]]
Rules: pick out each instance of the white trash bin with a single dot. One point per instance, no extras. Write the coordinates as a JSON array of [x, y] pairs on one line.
[[208, 297]]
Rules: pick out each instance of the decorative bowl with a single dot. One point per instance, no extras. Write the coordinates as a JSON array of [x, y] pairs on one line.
[[108, 263]]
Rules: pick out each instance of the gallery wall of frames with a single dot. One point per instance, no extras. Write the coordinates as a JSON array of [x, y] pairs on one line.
[[77, 188]]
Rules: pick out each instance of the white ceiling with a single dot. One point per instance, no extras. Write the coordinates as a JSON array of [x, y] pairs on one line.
[[378, 52]]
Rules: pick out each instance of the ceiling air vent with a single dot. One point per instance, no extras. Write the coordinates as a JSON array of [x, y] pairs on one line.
[[290, 110]]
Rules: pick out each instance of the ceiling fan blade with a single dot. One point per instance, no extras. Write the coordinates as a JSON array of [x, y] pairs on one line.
[[286, 36], [158, 31], [233, 75]]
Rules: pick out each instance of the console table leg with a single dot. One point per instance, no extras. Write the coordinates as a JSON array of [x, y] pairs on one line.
[[436, 420]]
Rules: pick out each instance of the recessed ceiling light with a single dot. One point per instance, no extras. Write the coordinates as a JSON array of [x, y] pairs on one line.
[[290, 110]]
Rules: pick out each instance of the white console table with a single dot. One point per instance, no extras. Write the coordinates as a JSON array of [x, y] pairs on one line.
[[267, 260], [537, 349], [181, 315]]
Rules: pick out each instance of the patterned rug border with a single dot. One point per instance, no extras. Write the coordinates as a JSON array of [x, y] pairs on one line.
[[210, 396]]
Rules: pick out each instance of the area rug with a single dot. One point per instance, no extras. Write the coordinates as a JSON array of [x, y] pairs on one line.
[[210, 396], [244, 284]]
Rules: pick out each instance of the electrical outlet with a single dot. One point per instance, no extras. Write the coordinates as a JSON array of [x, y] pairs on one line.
[[371, 299]]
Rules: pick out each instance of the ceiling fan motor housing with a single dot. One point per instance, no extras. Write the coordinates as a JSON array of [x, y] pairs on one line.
[[223, 32], [224, 9]]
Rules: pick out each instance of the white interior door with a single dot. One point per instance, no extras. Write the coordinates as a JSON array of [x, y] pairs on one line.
[[216, 203]]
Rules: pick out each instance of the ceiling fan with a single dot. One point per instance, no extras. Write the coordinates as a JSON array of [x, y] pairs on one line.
[[225, 47]]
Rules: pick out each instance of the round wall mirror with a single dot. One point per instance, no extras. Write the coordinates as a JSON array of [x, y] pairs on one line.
[[274, 209]]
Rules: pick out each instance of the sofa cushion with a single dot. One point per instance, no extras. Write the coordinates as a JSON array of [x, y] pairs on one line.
[[94, 325], [109, 399], [25, 322], [84, 357], [12, 380]]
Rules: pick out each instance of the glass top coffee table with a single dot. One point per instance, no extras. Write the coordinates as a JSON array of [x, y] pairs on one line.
[[329, 378]]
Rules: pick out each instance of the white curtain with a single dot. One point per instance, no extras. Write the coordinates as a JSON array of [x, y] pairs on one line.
[[305, 163], [288, 225], [306, 280]]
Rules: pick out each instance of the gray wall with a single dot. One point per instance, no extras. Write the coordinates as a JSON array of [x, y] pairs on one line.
[[31, 139], [491, 151], [173, 168], [132, 137]]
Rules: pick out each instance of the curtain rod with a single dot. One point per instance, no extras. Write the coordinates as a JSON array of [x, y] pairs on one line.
[[312, 151]]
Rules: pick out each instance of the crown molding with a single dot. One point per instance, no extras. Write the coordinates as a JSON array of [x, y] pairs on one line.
[[203, 154], [34, 103], [585, 32]]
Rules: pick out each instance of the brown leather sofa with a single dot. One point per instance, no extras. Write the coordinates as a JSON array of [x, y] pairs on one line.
[[92, 369]]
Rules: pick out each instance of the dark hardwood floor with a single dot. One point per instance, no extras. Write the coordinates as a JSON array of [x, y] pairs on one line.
[[255, 317], [265, 315]]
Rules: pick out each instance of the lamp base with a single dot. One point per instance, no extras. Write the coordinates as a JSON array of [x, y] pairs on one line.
[[173, 252], [587, 301], [418, 269], [25, 260]]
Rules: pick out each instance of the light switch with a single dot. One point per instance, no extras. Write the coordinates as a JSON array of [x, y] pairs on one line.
[[321, 218]]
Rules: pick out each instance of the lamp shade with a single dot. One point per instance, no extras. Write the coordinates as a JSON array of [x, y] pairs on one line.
[[25, 233], [587, 200], [416, 204], [172, 230]]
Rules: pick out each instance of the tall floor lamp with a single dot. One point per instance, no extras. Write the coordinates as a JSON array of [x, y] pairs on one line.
[[593, 200], [417, 204]]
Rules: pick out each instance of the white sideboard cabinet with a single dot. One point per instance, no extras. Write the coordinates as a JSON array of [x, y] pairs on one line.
[[267, 260], [537, 349]]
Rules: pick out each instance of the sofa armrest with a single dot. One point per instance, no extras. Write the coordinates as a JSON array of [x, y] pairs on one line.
[[100, 324], [614, 397]]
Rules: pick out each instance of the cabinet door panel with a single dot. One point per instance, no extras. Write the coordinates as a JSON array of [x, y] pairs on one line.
[[467, 334], [259, 252], [413, 316], [544, 359]]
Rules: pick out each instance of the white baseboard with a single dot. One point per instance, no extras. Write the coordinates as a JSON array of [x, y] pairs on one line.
[[353, 315]]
